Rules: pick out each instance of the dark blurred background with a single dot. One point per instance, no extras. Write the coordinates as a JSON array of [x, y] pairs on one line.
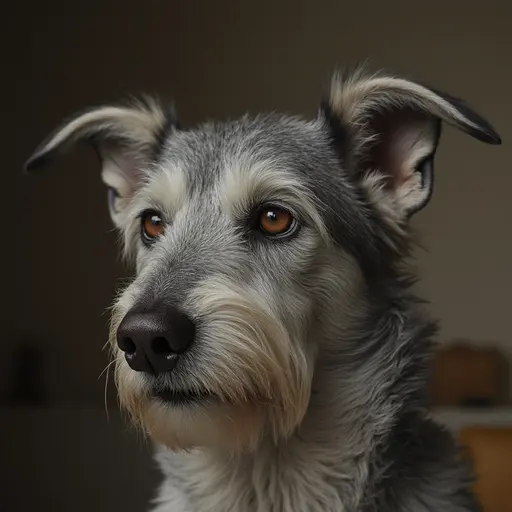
[[58, 449]]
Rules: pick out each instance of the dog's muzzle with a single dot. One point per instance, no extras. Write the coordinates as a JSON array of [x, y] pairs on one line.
[[153, 339]]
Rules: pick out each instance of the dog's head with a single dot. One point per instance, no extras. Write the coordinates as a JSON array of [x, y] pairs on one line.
[[256, 243]]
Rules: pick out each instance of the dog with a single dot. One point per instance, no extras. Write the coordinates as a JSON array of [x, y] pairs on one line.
[[270, 343]]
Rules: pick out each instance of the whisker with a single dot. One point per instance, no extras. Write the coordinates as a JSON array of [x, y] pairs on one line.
[[106, 368]]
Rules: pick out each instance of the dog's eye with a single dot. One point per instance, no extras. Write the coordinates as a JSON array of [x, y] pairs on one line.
[[152, 225], [275, 221]]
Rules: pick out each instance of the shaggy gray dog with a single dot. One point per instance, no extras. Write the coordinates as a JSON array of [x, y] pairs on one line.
[[269, 342]]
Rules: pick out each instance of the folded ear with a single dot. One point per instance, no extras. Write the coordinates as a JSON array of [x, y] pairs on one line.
[[387, 130], [126, 139]]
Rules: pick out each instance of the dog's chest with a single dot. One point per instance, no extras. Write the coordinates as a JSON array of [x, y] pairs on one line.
[[280, 483]]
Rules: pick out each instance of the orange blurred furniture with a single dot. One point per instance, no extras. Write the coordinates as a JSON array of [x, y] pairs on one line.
[[491, 452], [464, 374]]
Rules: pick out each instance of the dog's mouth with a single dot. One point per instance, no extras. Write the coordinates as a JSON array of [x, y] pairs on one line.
[[178, 397]]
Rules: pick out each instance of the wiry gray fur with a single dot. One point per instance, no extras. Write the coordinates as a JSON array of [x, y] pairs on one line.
[[314, 348]]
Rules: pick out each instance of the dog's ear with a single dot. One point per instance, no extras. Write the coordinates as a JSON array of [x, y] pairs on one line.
[[126, 138], [387, 130]]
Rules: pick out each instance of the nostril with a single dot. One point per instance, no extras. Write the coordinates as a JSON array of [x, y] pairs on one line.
[[161, 346], [127, 345]]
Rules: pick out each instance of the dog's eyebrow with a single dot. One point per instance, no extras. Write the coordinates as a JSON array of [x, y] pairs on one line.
[[244, 184], [165, 188]]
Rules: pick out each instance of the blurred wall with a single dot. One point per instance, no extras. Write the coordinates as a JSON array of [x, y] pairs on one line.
[[220, 59]]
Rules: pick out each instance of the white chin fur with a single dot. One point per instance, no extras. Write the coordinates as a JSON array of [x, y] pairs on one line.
[[213, 425]]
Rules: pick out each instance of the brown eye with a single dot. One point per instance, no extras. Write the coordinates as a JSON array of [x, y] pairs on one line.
[[152, 225], [275, 221]]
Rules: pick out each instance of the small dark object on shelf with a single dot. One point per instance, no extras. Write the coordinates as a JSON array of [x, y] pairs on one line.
[[476, 402]]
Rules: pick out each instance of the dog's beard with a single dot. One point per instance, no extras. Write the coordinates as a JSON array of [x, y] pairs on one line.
[[254, 378]]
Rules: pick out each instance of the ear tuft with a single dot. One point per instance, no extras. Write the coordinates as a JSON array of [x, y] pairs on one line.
[[141, 124]]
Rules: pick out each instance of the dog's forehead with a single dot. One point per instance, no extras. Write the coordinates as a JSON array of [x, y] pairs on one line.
[[241, 150]]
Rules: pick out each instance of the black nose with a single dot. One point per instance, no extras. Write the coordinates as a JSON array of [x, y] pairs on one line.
[[152, 340]]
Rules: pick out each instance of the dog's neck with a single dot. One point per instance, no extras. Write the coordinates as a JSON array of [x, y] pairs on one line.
[[358, 392], [305, 472]]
